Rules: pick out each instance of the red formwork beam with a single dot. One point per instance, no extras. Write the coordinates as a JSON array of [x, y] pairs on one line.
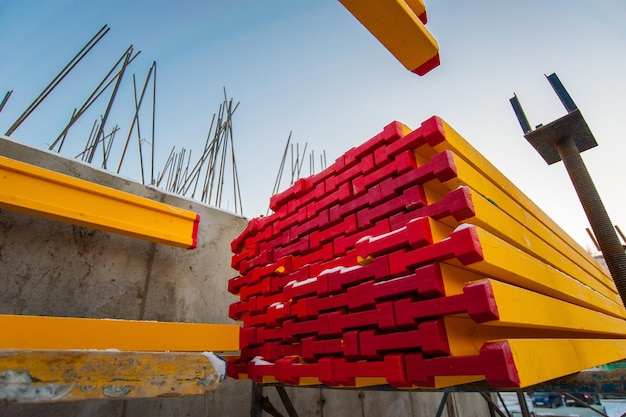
[[344, 280]]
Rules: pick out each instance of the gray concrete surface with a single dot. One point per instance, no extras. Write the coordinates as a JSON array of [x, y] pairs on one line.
[[51, 268]]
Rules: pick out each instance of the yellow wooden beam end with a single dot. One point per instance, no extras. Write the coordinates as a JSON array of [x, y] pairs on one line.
[[52, 376], [506, 263], [509, 264], [540, 360], [525, 314], [61, 333], [397, 25], [33, 190]]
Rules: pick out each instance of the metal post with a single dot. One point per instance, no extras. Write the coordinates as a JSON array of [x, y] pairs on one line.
[[601, 224], [563, 140]]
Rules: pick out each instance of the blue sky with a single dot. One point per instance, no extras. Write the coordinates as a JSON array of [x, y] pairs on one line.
[[309, 67]]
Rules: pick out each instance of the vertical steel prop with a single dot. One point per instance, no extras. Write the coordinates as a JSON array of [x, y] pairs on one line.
[[563, 140]]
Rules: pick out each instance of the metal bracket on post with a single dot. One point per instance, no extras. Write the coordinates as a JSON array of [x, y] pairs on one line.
[[563, 140]]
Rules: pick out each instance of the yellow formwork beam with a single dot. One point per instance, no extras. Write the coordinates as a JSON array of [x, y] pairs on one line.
[[62, 333], [466, 337], [456, 276], [397, 25], [53, 376], [33, 190], [526, 208], [543, 359], [489, 188], [510, 264], [518, 307], [504, 262], [494, 220], [537, 356]]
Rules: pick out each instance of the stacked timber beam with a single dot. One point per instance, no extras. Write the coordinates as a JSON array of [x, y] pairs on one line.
[[412, 261]]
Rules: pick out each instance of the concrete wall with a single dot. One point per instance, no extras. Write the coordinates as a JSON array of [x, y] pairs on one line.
[[51, 268]]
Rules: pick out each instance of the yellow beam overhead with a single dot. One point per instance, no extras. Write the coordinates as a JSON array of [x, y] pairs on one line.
[[33, 190], [53, 376], [397, 25], [62, 333]]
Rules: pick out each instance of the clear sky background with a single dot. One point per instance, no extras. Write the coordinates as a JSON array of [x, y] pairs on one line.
[[309, 67]]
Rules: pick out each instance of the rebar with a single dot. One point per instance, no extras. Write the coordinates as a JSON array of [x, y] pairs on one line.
[[135, 121], [108, 109], [154, 64], [5, 99], [96, 93], [59, 77]]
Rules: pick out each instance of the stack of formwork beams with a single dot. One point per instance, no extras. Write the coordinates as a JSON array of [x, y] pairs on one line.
[[412, 261]]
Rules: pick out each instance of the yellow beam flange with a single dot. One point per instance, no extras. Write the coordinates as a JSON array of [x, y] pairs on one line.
[[61, 333], [33, 190], [494, 220], [509, 264], [53, 376], [397, 25]]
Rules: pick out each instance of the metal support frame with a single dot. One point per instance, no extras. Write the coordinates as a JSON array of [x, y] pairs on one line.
[[493, 407], [564, 139], [522, 404], [291, 411], [262, 403], [256, 410], [442, 404]]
